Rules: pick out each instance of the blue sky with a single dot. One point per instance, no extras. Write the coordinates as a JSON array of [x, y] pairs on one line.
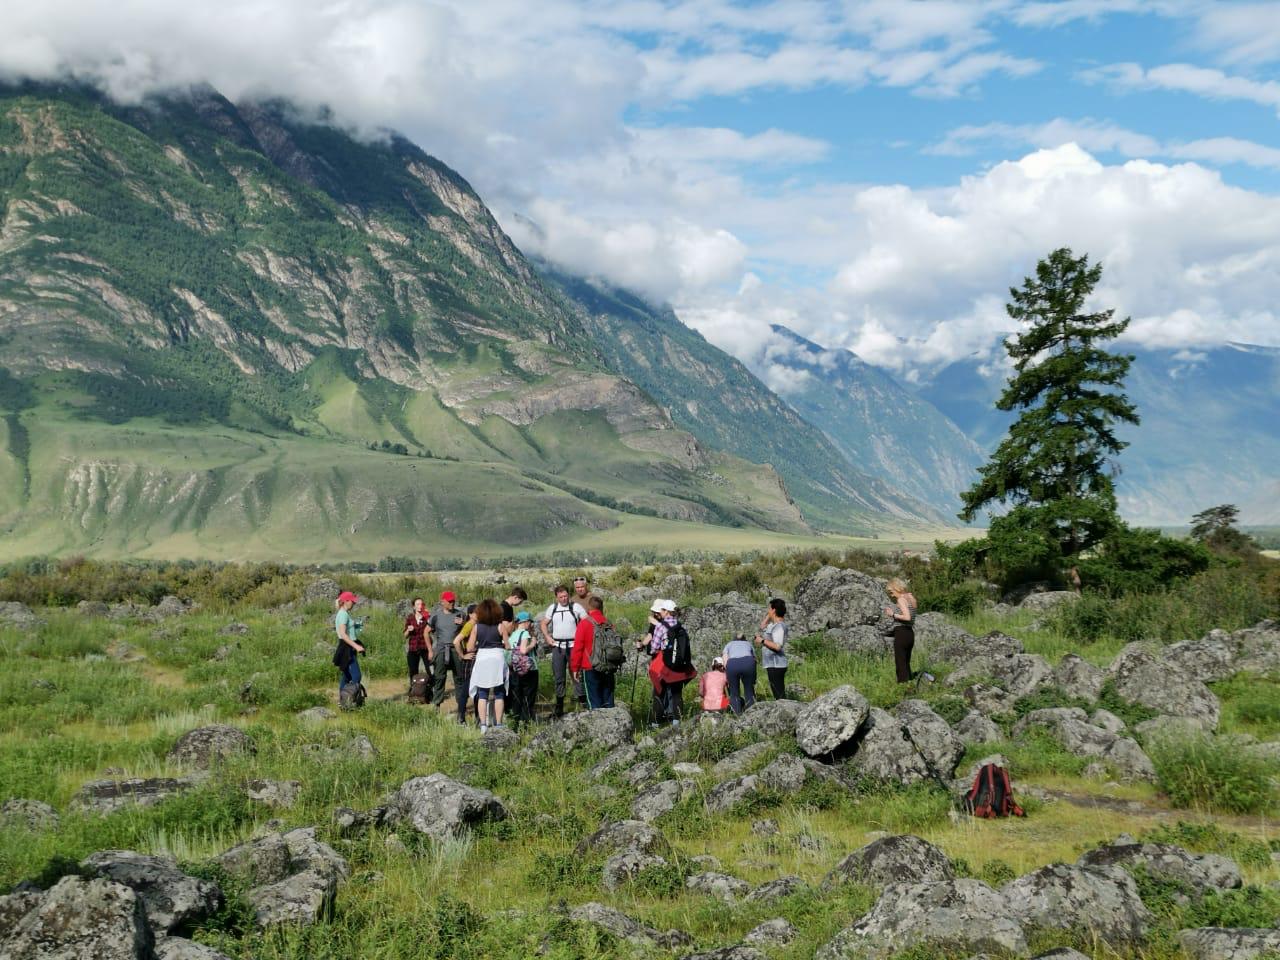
[[871, 173]]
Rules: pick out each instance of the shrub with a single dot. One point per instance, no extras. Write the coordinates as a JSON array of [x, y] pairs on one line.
[[1216, 773], [1211, 838]]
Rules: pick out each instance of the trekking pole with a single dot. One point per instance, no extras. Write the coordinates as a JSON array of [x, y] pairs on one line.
[[635, 674]]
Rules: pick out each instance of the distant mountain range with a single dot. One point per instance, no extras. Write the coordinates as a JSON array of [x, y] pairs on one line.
[[1210, 430], [232, 332]]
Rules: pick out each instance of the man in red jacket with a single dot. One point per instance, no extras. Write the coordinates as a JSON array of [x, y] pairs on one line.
[[598, 686]]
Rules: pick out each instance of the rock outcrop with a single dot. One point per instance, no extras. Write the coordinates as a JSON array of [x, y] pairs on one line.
[[441, 807]]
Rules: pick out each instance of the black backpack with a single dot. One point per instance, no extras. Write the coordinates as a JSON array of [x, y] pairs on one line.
[[419, 688], [352, 696], [991, 795], [607, 654], [677, 655]]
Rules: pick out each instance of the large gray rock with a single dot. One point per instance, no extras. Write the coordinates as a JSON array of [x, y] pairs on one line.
[[15, 906], [725, 796], [740, 761], [711, 626], [301, 898], [1101, 900], [29, 814], [771, 718], [280, 794], [321, 588], [895, 859], [586, 730], [1230, 943], [777, 932], [615, 759], [1077, 677], [941, 641], [19, 615], [1021, 674], [296, 876], [831, 721], [176, 948], [1048, 599], [172, 900], [260, 861], [862, 639], [1162, 686], [107, 796], [957, 913], [989, 700], [1208, 660], [831, 597], [82, 920], [1199, 873], [660, 798], [206, 746], [785, 774], [440, 807], [625, 928], [884, 753], [624, 867], [1108, 721], [625, 836], [1258, 647], [1070, 726], [977, 728], [776, 889], [171, 606]]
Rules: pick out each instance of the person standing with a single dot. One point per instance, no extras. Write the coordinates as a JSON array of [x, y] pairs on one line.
[[349, 645], [599, 686], [514, 599], [466, 662], [740, 671], [442, 626], [417, 644], [903, 613], [581, 590], [773, 639], [523, 675], [559, 626], [489, 671], [672, 665]]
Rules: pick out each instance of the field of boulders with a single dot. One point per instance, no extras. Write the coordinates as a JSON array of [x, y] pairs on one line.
[[176, 781]]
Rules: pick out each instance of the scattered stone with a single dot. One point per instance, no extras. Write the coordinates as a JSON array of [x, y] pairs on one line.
[[729, 794], [1199, 873], [176, 948], [205, 747], [686, 769], [955, 913], [660, 798], [92, 608], [1077, 677], [316, 714], [772, 933], [500, 739], [1257, 647], [886, 754], [281, 794], [625, 928], [225, 652], [643, 772], [440, 807], [977, 728], [1108, 721], [765, 828], [1162, 686], [989, 700], [171, 606], [623, 867], [1021, 674], [589, 730], [776, 889], [234, 630], [736, 952], [785, 774], [943, 641], [351, 823], [105, 796], [1229, 943], [302, 898], [340, 745], [893, 859], [720, 885], [1070, 726], [82, 919], [1208, 660], [833, 720], [1048, 599], [1102, 900], [322, 588], [706, 861], [171, 899], [19, 615], [771, 718], [625, 836], [31, 814], [619, 757], [740, 761]]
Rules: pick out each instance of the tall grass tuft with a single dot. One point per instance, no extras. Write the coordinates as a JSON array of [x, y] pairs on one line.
[[1220, 774]]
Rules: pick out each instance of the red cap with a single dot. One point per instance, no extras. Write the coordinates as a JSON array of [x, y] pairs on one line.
[[448, 595], [346, 595]]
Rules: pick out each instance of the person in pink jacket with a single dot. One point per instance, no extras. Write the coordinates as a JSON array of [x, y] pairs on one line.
[[711, 687]]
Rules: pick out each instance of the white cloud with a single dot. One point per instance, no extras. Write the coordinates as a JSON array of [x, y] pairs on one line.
[[1241, 32], [1187, 78]]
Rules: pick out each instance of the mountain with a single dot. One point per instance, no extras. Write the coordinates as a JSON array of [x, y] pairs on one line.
[[1208, 435], [878, 424], [727, 407], [210, 312]]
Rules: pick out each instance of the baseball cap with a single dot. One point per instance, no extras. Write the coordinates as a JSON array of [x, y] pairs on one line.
[[657, 606], [346, 595], [718, 662], [522, 616], [448, 595]]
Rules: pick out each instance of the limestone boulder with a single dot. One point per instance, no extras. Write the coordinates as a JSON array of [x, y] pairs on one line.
[[621, 868], [171, 899], [586, 730], [1079, 678], [1209, 659], [107, 796], [1140, 678], [81, 919], [177, 948], [1230, 943], [441, 807], [719, 885], [660, 798], [740, 761], [1070, 726], [827, 724], [777, 932], [832, 597], [1199, 873], [205, 747], [28, 814], [771, 718], [625, 836], [976, 728], [939, 640], [625, 928], [1020, 674], [908, 746], [892, 859], [1101, 900]]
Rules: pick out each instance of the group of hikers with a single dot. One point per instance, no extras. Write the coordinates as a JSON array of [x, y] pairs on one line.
[[495, 652]]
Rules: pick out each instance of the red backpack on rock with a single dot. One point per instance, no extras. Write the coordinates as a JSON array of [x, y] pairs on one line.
[[991, 795]]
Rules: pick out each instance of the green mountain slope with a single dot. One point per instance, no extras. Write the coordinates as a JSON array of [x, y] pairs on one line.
[[248, 281], [725, 406]]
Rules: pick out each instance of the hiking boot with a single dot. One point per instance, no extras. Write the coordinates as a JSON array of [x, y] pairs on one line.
[[559, 711]]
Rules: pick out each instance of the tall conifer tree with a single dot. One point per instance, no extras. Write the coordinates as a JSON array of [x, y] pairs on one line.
[[1052, 467]]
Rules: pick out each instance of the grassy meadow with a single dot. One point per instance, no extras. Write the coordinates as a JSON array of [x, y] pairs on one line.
[[85, 698]]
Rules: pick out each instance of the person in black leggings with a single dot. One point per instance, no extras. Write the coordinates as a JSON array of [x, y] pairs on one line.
[[903, 613], [740, 666]]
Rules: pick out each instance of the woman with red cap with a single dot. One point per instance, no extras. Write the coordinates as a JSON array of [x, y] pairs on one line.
[[349, 646]]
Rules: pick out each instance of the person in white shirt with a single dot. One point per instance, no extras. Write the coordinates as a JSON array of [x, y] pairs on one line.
[[559, 624]]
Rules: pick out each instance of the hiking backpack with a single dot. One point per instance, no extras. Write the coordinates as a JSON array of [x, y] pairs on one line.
[[607, 654], [677, 655], [991, 795], [419, 687], [521, 663], [351, 696]]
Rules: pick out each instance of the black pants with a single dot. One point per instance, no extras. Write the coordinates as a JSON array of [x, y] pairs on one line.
[[777, 682], [416, 659], [673, 700], [445, 659], [524, 692], [461, 685], [741, 672], [904, 639]]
